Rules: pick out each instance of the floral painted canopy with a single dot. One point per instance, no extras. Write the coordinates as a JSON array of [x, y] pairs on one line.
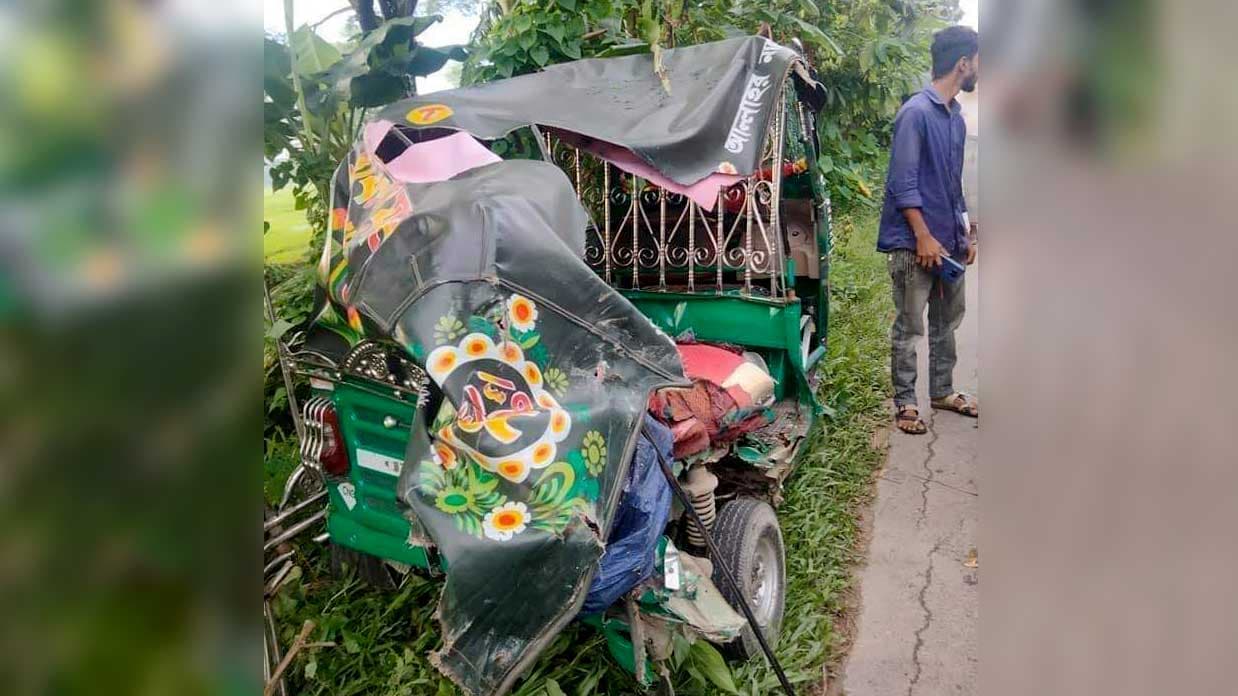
[[540, 371], [540, 375]]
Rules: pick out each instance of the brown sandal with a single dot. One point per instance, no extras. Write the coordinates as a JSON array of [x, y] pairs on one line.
[[959, 403], [907, 419]]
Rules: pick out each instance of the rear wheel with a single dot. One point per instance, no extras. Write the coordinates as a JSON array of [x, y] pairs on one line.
[[750, 543], [371, 570]]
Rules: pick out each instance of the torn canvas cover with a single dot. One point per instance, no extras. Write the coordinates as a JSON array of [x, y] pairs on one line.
[[711, 121]]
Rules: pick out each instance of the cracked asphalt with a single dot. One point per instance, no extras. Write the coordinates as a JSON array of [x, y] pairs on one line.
[[919, 608]]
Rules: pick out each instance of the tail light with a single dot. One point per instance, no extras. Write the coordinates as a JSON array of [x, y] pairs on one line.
[[323, 447], [334, 455]]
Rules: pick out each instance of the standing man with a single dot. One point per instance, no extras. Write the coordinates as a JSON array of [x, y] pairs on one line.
[[925, 218]]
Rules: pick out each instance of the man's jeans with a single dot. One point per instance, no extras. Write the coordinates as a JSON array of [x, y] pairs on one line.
[[915, 287]]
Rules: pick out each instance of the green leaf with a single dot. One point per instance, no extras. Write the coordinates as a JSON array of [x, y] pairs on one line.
[[278, 399], [552, 688], [278, 329], [376, 89], [866, 59], [314, 54], [426, 60], [311, 668], [681, 648], [540, 55], [571, 49], [817, 36], [649, 30], [709, 663], [383, 56], [350, 644], [569, 5], [276, 74], [589, 684], [825, 163], [530, 341]]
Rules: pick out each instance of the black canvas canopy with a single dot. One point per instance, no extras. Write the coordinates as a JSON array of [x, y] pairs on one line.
[[721, 97]]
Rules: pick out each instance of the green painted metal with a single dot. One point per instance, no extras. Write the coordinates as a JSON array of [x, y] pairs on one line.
[[346, 530], [619, 643], [374, 524]]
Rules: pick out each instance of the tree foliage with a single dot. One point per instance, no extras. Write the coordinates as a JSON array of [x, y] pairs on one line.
[[315, 95]]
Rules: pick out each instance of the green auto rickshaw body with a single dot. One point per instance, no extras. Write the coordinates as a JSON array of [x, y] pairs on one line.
[[749, 272]]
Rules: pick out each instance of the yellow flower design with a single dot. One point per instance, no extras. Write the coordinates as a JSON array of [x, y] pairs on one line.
[[506, 521], [445, 456], [522, 312]]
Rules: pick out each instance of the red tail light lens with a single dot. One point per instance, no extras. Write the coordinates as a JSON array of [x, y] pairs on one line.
[[334, 457]]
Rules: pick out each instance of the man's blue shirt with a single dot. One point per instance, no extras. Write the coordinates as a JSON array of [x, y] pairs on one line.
[[926, 172]]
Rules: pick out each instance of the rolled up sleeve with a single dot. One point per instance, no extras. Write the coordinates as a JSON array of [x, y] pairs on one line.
[[904, 179]]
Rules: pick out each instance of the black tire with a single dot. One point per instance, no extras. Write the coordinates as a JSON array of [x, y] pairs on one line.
[[750, 543], [371, 570]]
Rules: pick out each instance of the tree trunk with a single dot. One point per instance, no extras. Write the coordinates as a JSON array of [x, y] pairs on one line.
[[366, 17]]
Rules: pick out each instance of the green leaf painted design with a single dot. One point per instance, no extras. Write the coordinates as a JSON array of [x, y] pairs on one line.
[[446, 414], [448, 329], [482, 325], [556, 381], [594, 450]]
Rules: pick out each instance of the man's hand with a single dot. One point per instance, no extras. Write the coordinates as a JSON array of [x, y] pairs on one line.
[[929, 251], [971, 245]]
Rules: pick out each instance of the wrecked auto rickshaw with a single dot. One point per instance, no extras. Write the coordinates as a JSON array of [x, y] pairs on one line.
[[536, 291]]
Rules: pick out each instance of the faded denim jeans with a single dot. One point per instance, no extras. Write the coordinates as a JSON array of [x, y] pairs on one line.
[[914, 288]]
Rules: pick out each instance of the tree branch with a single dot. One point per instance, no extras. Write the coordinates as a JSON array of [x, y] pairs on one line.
[[340, 11], [297, 644]]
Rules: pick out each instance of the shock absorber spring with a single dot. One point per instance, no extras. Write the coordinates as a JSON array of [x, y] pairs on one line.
[[700, 486]]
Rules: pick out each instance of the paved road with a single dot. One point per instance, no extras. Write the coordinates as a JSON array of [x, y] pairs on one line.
[[919, 616]]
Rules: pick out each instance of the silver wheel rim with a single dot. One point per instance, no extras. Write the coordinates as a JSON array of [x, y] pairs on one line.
[[765, 579]]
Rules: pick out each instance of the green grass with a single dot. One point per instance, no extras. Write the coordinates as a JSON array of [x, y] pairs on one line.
[[383, 639], [287, 240], [821, 515]]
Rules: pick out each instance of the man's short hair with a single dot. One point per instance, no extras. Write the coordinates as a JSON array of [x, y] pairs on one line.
[[951, 44]]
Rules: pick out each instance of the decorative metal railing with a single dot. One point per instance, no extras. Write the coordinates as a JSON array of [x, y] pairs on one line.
[[644, 237]]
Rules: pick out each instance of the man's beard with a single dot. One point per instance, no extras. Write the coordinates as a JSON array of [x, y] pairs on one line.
[[969, 84]]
